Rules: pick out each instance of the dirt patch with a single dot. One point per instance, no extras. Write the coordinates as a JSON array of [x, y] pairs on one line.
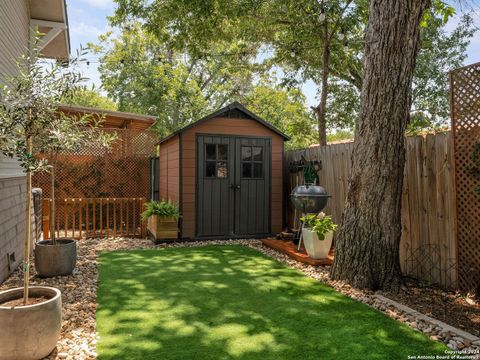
[[450, 307], [19, 302]]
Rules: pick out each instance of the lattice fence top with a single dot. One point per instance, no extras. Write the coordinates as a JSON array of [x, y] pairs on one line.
[[120, 171], [465, 93]]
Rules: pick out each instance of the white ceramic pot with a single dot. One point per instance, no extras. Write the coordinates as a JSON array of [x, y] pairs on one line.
[[316, 248]]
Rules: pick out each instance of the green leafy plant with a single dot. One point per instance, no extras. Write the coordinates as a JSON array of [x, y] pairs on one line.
[[161, 208], [321, 224], [29, 115]]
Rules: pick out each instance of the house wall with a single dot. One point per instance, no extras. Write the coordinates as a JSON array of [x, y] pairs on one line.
[[12, 217], [228, 126], [169, 170], [14, 27]]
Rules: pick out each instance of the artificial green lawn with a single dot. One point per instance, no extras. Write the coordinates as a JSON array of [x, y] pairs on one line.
[[231, 302]]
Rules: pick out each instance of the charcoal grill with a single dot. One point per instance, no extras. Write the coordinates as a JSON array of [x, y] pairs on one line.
[[308, 199]]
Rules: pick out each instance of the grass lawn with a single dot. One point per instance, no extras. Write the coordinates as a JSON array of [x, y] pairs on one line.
[[231, 302]]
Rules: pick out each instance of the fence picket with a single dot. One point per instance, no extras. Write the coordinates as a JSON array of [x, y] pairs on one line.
[[427, 247], [77, 221]]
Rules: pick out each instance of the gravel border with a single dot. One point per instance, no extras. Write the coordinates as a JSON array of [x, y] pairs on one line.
[[78, 339]]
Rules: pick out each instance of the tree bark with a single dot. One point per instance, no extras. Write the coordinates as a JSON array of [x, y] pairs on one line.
[[321, 109], [367, 247], [28, 230]]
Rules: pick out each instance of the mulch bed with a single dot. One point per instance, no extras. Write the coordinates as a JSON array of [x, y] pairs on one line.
[[450, 307]]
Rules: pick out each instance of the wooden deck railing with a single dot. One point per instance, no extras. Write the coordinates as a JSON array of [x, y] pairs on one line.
[[95, 217]]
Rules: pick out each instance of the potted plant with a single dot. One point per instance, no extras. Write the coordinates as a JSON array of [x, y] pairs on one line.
[[317, 234], [58, 257], [30, 317], [162, 219]]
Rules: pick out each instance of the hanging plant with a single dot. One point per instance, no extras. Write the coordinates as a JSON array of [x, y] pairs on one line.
[[474, 170]]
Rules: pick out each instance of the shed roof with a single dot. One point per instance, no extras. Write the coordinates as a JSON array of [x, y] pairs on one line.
[[113, 119], [233, 110]]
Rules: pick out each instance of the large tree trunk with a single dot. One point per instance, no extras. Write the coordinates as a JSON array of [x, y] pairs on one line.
[[321, 109], [367, 247]]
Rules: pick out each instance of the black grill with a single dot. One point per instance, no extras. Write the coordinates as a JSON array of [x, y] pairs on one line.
[[309, 199]]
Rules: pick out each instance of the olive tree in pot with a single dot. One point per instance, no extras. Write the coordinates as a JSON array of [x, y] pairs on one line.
[[162, 219], [68, 133], [317, 234], [30, 317]]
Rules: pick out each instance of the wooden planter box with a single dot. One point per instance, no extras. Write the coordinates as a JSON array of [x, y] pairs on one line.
[[163, 227]]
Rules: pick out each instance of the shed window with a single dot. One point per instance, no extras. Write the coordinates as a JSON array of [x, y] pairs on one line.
[[216, 156], [252, 162]]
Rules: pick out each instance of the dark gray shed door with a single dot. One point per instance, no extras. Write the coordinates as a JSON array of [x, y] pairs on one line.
[[233, 186]]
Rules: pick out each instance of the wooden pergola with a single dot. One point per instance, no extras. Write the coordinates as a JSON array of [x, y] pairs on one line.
[[112, 119]]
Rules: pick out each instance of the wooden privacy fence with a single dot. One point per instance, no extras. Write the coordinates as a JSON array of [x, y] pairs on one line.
[[95, 217], [428, 249]]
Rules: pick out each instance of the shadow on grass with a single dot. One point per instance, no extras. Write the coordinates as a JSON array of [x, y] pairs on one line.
[[231, 302]]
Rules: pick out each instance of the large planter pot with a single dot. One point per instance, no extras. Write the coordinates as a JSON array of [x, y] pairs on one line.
[[30, 332], [163, 227], [55, 260], [316, 248]]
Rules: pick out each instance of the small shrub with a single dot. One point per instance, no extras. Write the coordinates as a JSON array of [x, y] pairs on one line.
[[161, 208], [321, 224]]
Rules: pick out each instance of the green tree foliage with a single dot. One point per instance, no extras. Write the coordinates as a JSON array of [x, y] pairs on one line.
[[320, 41], [441, 52], [29, 115], [285, 109], [309, 39], [90, 98], [143, 74]]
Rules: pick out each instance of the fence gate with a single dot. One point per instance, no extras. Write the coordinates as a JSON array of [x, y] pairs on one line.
[[465, 106]]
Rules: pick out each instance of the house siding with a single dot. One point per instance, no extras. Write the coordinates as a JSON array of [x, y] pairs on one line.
[[229, 126], [14, 27], [12, 223]]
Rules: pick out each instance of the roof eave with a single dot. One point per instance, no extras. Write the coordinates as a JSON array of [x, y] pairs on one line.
[[234, 105]]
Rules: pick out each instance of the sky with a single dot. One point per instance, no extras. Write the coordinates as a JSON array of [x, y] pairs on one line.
[[88, 20]]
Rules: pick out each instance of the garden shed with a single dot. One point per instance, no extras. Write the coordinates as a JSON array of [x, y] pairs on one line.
[[226, 173]]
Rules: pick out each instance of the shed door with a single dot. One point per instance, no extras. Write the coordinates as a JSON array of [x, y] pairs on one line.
[[252, 183], [233, 186]]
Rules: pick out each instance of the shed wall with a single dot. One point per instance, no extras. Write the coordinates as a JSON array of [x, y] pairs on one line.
[[169, 170], [228, 126]]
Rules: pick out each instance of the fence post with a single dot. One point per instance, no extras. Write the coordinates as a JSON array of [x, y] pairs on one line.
[[143, 227]]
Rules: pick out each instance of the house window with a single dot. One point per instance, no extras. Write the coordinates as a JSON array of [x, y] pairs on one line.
[[252, 162], [216, 156]]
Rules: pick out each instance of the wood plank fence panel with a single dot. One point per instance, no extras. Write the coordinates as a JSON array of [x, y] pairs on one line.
[[428, 244], [97, 217]]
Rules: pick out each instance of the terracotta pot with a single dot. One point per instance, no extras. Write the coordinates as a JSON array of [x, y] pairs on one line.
[[30, 332], [55, 260], [316, 248]]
